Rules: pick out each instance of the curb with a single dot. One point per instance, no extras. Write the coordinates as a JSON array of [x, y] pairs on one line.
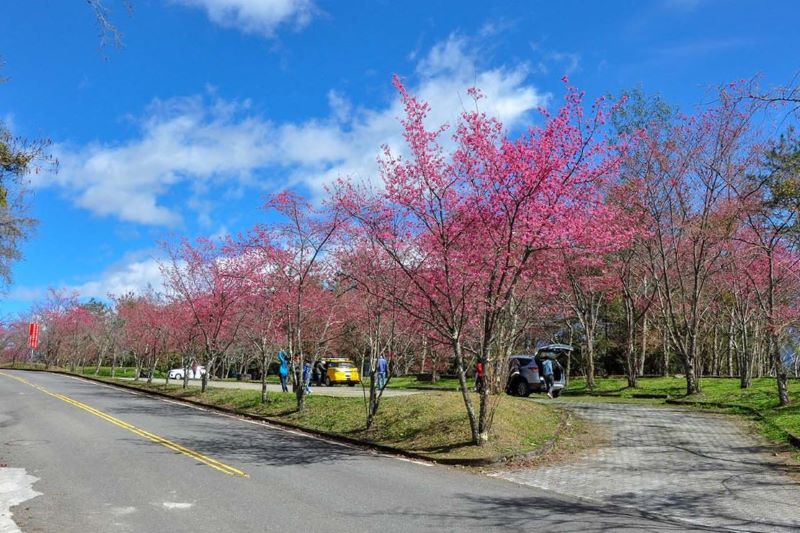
[[366, 445]]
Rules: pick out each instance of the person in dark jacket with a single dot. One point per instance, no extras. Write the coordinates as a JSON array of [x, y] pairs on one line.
[[319, 373], [547, 372]]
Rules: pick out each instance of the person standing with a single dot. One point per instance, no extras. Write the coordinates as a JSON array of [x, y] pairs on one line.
[[547, 371], [480, 376], [307, 377], [316, 375], [383, 371], [283, 371]]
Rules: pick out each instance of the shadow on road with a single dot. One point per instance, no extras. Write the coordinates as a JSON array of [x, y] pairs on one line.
[[233, 440], [546, 514]]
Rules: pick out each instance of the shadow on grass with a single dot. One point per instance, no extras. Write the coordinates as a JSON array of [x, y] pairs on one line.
[[446, 448]]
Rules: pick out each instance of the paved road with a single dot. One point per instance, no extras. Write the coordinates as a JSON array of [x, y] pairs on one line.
[[338, 390], [110, 460], [694, 466]]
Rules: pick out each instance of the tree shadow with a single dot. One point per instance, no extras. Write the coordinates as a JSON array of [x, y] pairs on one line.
[[446, 448], [542, 512]]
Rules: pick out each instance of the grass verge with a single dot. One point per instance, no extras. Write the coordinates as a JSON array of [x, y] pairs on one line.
[[760, 399], [411, 382], [432, 425]]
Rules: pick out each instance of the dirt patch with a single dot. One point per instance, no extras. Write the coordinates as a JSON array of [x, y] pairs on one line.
[[576, 438]]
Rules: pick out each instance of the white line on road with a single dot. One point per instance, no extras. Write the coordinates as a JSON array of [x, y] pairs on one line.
[[178, 505]]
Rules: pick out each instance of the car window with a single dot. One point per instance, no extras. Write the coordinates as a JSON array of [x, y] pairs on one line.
[[342, 366], [523, 361]]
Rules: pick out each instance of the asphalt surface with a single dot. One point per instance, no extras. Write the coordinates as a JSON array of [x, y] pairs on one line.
[[700, 467], [109, 460], [336, 390]]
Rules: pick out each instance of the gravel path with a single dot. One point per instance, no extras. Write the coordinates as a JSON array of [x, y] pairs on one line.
[[698, 467]]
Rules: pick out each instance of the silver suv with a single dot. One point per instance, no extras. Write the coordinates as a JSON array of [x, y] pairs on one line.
[[525, 371]]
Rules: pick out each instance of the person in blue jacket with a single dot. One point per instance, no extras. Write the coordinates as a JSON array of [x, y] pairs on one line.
[[283, 371], [307, 377], [383, 371]]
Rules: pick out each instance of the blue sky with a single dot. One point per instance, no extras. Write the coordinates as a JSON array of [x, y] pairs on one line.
[[212, 104]]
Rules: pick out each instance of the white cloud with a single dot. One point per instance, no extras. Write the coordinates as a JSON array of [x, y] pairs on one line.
[[329, 150], [131, 275], [199, 142], [135, 276], [255, 16], [182, 140]]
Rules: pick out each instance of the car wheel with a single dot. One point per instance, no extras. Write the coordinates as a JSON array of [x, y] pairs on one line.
[[556, 393], [351, 384], [328, 382], [522, 388], [511, 388]]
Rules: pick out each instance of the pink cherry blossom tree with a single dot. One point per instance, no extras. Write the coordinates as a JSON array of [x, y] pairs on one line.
[[295, 250], [464, 228], [690, 172], [211, 283]]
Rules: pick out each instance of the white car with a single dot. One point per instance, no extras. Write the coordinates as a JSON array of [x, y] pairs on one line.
[[177, 373]]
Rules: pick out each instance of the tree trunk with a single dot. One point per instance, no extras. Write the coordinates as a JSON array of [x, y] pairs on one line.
[[300, 393], [99, 361], [730, 347], [589, 358], [643, 355], [424, 355], [462, 380], [745, 367], [780, 372], [715, 353], [484, 408], [264, 371], [692, 385], [631, 362], [204, 377], [631, 357], [152, 371]]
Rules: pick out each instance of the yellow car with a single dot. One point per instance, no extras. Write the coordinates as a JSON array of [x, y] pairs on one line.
[[340, 371]]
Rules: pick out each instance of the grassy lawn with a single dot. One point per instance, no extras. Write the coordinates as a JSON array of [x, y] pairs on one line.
[[433, 425], [272, 378], [762, 396], [411, 382]]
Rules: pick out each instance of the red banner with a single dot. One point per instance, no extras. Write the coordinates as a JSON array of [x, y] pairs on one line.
[[33, 335]]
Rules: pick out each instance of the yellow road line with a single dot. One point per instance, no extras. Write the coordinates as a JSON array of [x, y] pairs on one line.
[[213, 463]]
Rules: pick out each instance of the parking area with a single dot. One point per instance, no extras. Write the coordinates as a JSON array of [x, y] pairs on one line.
[[699, 467]]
